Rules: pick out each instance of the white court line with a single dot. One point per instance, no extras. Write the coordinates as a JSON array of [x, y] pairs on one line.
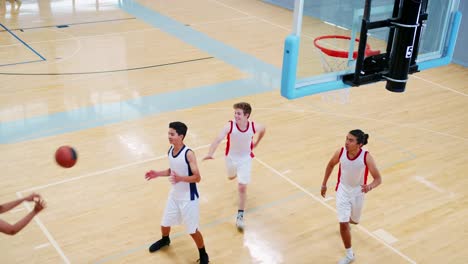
[[84, 37], [46, 232], [429, 184], [78, 41], [41, 246], [302, 110], [17, 210], [385, 236], [245, 13], [39, 222], [221, 20], [329, 198], [99, 172], [365, 230], [377, 120], [440, 85]]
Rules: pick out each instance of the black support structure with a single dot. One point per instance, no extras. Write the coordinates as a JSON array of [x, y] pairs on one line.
[[399, 60]]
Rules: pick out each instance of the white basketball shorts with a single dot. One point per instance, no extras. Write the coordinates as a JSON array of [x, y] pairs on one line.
[[182, 212], [349, 205], [240, 168]]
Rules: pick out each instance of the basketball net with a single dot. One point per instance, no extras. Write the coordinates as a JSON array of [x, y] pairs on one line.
[[333, 50]]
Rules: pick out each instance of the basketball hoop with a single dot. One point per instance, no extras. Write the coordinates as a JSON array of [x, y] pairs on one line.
[[334, 54]]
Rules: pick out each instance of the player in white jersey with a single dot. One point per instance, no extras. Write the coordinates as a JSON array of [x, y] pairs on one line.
[[182, 204], [355, 163], [239, 134]]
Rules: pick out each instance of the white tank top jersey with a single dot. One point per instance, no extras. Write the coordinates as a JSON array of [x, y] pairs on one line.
[[179, 163], [239, 143], [352, 173]]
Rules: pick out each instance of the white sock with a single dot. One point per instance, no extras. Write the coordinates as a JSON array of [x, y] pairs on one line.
[[349, 253]]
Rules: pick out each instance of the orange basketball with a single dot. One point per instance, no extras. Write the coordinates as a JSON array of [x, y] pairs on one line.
[[66, 156]]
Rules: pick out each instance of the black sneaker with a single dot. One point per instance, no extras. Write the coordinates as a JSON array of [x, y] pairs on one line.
[[159, 244], [204, 259]]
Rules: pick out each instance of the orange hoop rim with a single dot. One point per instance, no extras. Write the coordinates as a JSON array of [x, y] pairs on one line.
[[342, 54]]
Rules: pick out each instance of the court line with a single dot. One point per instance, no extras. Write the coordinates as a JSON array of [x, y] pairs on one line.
[[101, 172], [76, 40], [24, 43], [245, 13], [440, 85], [46, 232], [108, 71], [111, 113], [42, 246], [130, 251], [321, 201], [17, 210], [68, 24], [239, 59], [429, 184], [289, 29], [221, 21], [83, 37], [388, 122], [302, 110], [17, 63], [214, 223]]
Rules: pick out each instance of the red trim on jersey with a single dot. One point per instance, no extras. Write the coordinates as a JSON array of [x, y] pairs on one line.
[[365, 175], [339, 175], [359, 153], [341, 152], [243, 131], [251, 148], [251, 141], [367, 169], [228, 137]]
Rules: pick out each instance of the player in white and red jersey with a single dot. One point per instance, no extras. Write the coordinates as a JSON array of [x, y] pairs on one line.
[[239, 134], [182, 205], [352, 184]]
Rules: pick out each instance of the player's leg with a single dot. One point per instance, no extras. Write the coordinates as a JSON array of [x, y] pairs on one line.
[[343, 208], [243, 172], [191, 217], [231, 168], [171, 217], [357, 203]]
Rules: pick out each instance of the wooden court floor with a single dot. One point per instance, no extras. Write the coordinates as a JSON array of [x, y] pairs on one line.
[[96, 85]]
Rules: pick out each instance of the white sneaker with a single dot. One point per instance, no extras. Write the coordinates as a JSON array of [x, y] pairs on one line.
[[346, 260], [240, 223]]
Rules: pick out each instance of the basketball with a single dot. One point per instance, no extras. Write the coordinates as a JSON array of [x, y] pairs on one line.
[[66, 156]]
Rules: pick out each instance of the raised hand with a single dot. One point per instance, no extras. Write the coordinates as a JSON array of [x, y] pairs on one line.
[[32, 197], [39, 206]]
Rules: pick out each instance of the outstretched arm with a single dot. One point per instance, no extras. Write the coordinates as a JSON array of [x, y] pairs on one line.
[[261, 132], [218, 140], [152, 174], [10, 205], [375, 174], [8, 229], [331, 164]]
